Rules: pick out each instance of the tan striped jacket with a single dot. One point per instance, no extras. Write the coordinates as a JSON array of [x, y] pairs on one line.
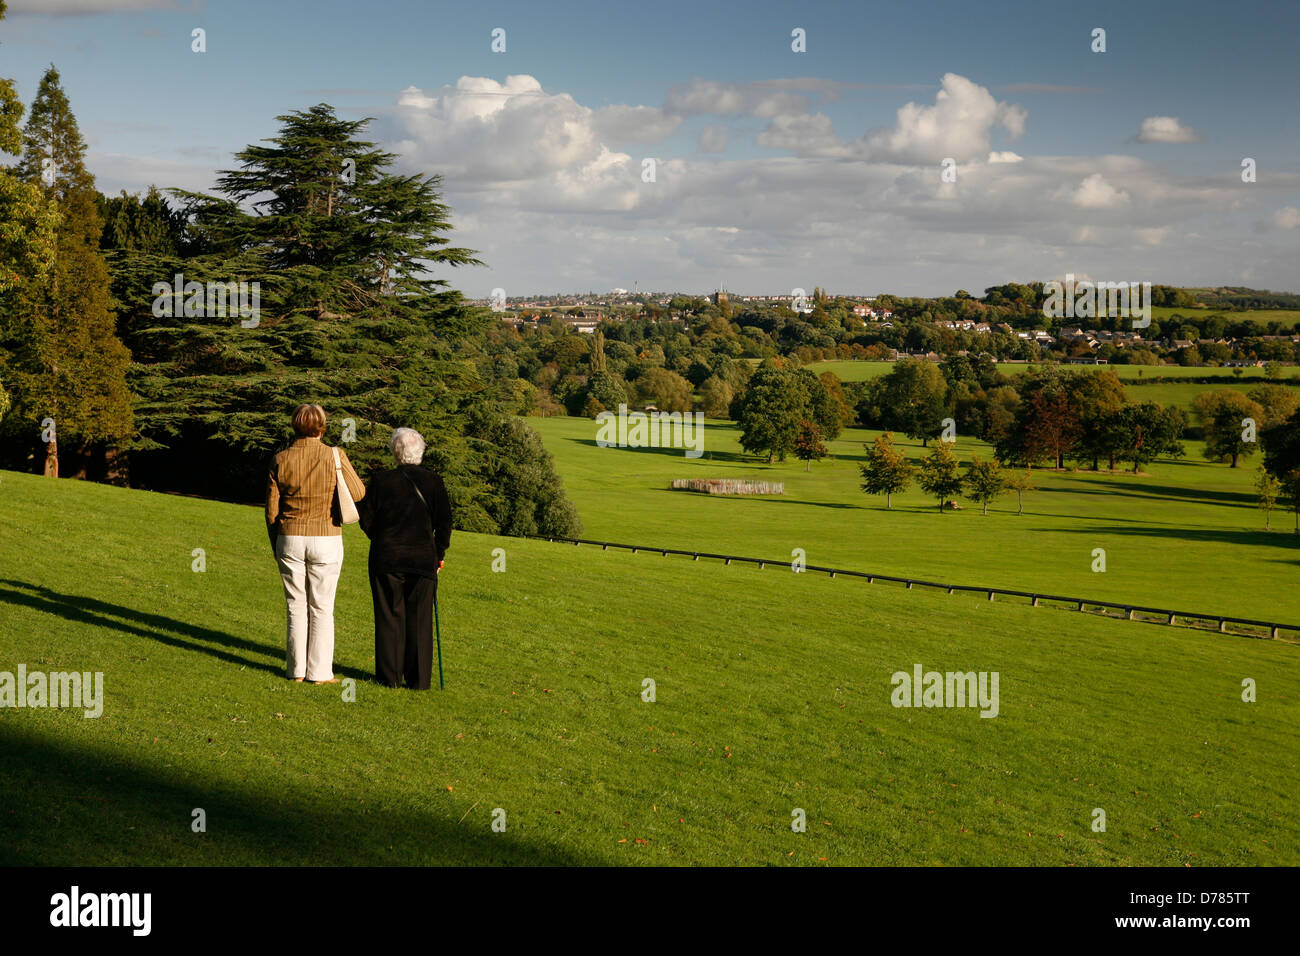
[[300, 490]]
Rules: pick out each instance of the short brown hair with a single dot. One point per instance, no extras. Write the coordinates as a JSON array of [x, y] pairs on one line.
[[309, 421]]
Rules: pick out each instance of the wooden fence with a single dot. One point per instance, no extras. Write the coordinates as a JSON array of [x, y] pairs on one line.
[[1247, 627]]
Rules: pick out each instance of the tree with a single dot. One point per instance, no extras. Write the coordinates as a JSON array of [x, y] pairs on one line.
[[808, 447], [1277, 401], [666, 390], [57, 342], [886, 471], [1020, 482], [27, 214], [1223, 415], [914, 399], [938, 474], [1268, 488], [715, 397], [606, 390], [1097, 396], [1150, 431], [1051, 426], [984, 481], [770, 411]]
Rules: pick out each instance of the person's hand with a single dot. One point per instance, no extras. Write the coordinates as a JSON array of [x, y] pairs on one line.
[[439, 565]]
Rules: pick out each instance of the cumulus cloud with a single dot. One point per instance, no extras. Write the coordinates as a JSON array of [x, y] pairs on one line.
[[960, 124], [633, 124], [1288, 217], [1095, 193], [1165, 129], [540, 185]]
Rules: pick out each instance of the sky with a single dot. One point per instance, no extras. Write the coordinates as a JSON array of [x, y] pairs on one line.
[[773, 168]]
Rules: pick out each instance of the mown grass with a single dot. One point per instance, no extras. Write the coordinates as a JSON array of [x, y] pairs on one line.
[[773, 693], [1186, 535]]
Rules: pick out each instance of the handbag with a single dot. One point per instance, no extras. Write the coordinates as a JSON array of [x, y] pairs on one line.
[[347, 507]]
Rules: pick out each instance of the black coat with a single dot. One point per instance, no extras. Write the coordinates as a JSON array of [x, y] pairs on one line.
[[399, 526]]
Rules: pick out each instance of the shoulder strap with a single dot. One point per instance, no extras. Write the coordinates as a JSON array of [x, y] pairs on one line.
[[419, 495], [338, 464]]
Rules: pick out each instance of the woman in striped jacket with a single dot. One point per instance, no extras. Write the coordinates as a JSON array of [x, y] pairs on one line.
[[306, 531]]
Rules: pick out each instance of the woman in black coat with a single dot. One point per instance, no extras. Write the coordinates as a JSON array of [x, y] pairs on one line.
[[407, 517]]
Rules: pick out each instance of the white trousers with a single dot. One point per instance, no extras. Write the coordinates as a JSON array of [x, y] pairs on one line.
[[309, 568]]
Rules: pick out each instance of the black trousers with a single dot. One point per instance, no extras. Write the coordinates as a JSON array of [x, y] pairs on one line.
[[403, 628]]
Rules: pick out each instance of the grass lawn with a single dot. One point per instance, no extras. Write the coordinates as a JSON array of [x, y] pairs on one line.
[[1185, 535], [773, 693]]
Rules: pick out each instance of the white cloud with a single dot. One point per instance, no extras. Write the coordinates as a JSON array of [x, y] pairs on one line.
[[804, 134], [1006, 156], [1288, 217], [959, 124], [1165, 129], [633, 124], [764, 100], [1095, 193]]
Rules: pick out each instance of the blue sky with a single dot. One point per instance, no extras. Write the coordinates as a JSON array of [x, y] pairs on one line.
[[774, 169]]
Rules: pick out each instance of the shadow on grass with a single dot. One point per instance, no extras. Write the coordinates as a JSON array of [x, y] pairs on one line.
[[1274, 538], [1172, 492], [68, 805], [722, 456], [165, 630]]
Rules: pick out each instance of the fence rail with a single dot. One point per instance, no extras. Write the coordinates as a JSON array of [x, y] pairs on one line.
[[1130, 611]]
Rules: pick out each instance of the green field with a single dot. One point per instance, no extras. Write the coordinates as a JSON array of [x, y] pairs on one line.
[[1259, 316], [1185, 535], [773, 694], [1137, 378]]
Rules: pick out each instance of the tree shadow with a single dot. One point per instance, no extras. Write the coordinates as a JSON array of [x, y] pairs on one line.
[[156, 627], [1172, 492], [722, 456], [70, 805], [1210, 535]]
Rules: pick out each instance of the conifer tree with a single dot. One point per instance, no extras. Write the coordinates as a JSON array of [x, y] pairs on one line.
[[66, 366]]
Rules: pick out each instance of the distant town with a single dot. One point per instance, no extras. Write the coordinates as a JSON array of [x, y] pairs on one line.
[[1199, 334]]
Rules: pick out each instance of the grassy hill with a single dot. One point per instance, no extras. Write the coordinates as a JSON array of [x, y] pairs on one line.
[[1185, 535], [773, 693]]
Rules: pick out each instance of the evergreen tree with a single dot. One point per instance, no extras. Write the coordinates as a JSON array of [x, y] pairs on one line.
[[27, 220], [352, 315], [58, 342]]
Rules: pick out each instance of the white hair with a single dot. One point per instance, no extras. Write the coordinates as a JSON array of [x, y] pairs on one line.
[[407, 446]]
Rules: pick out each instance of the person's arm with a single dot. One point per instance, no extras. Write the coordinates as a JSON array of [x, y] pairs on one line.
[[441, 517], [272, 503], [368, 507], [355, 487]]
